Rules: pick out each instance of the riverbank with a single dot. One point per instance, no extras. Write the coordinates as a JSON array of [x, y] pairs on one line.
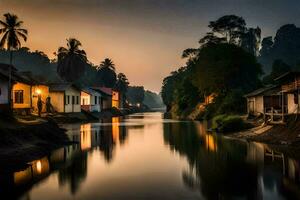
[[22, 140], [287, 134]]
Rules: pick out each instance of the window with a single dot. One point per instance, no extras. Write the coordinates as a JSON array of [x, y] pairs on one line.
[[96, 100], [67, 99], [18, 94], [77, 100], [73, 100]]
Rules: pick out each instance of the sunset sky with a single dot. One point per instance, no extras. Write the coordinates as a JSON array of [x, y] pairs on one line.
[[144, 38]]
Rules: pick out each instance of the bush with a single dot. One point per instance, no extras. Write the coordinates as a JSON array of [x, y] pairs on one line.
[[229, 123]]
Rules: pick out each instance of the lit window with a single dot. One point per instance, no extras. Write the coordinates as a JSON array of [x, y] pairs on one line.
[[18, 94]]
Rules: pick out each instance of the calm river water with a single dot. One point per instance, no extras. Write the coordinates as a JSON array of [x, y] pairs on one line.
[[145, 156]]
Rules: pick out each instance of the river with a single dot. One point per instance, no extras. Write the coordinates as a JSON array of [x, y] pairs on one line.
[[144, 156]]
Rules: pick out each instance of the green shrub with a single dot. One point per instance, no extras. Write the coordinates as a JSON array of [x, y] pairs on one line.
[[229, 123]]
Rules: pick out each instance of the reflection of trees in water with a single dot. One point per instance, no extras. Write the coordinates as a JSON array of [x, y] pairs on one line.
[[74, 172], [217, 172], [109, 136]]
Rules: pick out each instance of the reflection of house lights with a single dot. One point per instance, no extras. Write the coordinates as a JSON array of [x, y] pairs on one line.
[[138, 104], [38, 91], [39, 167]]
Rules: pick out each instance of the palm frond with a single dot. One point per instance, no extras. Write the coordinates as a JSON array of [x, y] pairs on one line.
[[3, 40], [22, 35]]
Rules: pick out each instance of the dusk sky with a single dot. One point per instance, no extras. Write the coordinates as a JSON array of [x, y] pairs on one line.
[[144, 38]]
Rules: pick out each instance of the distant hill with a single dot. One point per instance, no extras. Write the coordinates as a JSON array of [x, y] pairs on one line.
[[153, 100], [285, 46]]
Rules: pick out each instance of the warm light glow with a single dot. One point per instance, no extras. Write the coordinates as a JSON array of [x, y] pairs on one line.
[[85, 136], [211, 143], [115, 128], [39, 166], [138, 104], [38, 91]]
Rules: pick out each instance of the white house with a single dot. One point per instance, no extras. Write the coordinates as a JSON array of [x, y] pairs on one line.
[[65, 98], [91, 100]]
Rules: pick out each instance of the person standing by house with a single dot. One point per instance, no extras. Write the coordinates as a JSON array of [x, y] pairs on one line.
[[48, 104], [39, 105]]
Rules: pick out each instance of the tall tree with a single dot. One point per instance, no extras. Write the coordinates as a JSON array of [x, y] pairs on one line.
[[122, 83], [71, 61], [106, 73], [230, 27], [11, 30], [250, 40]]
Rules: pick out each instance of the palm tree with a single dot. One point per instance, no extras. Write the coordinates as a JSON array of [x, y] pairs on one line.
[[71, 61], [11, 30], [107, 63], [106, 73]]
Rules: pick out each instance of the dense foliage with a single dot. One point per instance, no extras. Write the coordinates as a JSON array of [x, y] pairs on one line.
[[224, 65]]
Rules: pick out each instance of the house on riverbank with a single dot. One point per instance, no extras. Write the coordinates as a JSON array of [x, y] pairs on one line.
[[106, 96], [91, 100], [65, 98], [276, 101]]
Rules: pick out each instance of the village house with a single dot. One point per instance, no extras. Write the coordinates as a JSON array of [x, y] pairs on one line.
[[25, 94], [276, 101], [106, 94], [65, 98], [91, 100]]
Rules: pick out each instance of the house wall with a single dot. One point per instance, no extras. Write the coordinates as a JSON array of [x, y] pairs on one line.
[[72, 107], [96, 106], [26, 95], [292, 107], [255, 105], [57, 101], [4, 97], [44, 92], [106, 103]]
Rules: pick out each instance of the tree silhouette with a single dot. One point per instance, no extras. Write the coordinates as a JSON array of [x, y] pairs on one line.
[[12, 30], [231, 27], [71, 61], [106, 73], [122, 83]]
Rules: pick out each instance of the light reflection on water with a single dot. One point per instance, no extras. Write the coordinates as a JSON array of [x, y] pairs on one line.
[[147, 157]]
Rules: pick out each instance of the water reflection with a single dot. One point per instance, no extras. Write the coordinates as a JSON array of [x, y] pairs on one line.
[[225, 169], [146, 157]]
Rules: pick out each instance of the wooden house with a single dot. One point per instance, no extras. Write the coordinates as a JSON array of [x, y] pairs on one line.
[[91, 100], [65, 98], [275, 102]]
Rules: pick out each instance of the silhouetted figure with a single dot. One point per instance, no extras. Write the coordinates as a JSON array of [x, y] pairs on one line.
[[48, 104], [39, 105]]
